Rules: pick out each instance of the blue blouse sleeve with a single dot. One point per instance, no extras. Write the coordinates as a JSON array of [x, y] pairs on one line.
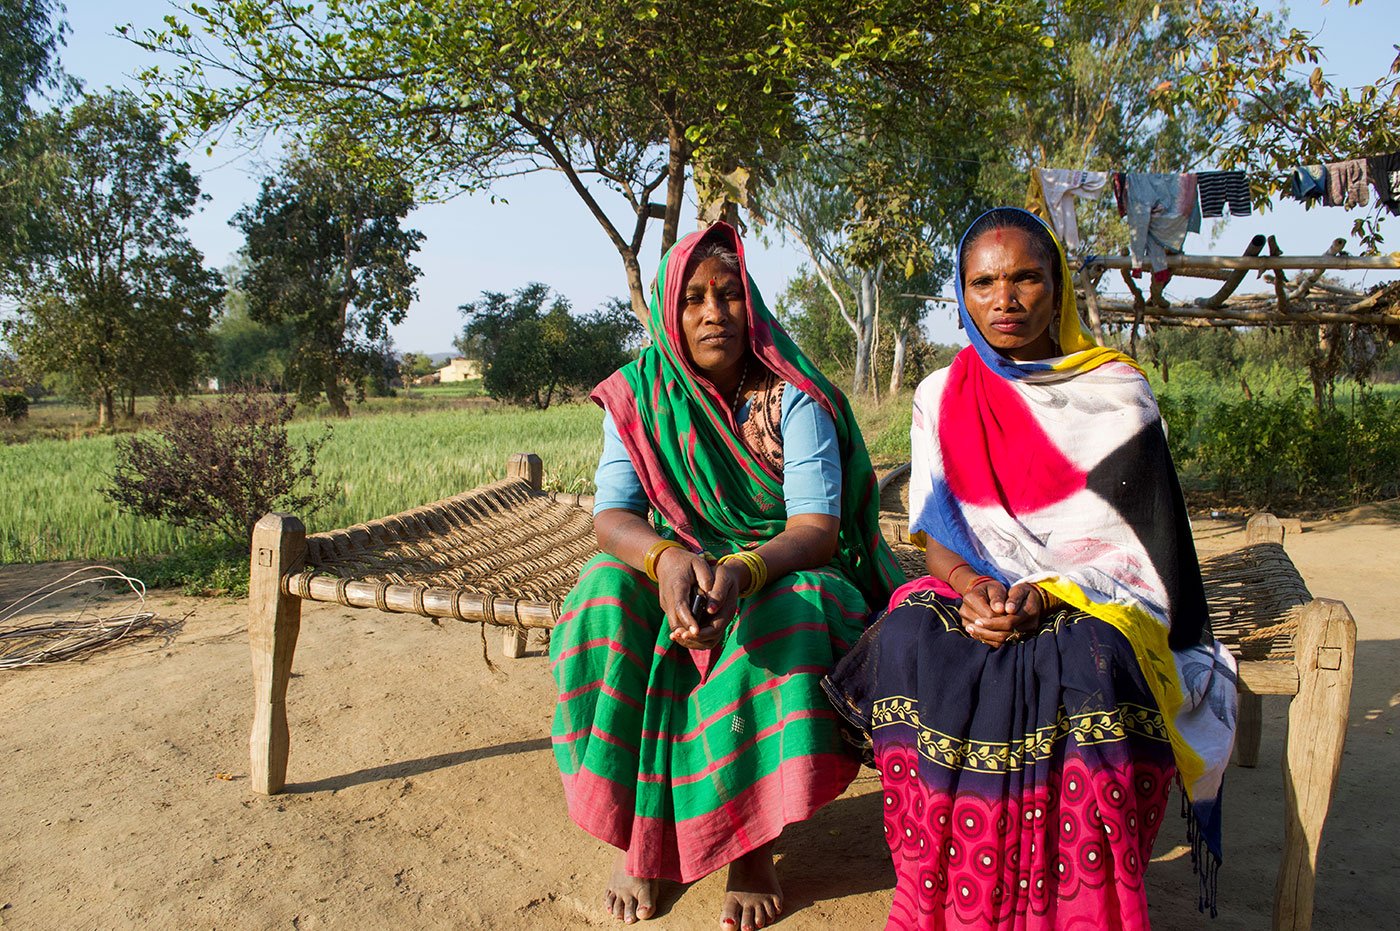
[[616, 478], [811, 457]]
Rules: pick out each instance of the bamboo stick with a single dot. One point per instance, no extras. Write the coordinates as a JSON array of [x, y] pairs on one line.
[[1187, 263]]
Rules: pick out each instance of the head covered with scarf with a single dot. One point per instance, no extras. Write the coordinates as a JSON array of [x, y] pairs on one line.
[[1056, 471], [681, 435]]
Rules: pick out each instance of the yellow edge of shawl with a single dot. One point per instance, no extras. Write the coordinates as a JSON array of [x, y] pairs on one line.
[[1154, 656]]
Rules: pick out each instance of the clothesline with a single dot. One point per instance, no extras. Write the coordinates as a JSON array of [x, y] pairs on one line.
[[1161, 208]]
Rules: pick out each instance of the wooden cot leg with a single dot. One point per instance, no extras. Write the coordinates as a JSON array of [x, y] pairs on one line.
[[1249, 727], [513, 642], [530, 467], [1317, 722], [274, 619]]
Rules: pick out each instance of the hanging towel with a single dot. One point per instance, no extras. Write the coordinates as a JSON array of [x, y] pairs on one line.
[[1219, 188], [1060, 187], [1162, 209], [1385, 178], [1348, 184], [1309, 182]]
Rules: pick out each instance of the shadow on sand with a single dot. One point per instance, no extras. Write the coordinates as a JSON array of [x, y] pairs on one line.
[[416, 767]]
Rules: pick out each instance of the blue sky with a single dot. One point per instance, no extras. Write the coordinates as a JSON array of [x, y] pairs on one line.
[[538, 230]]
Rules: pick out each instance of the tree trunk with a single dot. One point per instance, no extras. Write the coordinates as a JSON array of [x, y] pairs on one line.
[[335, 391], [865, 333], [635, 290], [106, 408], [131, 405], [901, 341], [675, 186]]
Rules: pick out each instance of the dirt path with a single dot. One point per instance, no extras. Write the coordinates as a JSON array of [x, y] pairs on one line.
[[424, 795]]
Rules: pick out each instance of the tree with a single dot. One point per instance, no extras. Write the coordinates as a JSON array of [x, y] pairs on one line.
[[876, 213], [328, 257], [414, 365], [31, 32], [247, 353], [620, 97], [113, 298], [534, 351]]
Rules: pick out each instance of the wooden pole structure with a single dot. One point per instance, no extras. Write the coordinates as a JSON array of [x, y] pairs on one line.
[[529, 467], [274, 620], [1188, 263], [1091, 304], [1123, 312]]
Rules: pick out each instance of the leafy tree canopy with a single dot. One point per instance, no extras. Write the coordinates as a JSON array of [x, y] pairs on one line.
[[534, 351], [113, 298], [31, 32], [621, 97], [329, 258], [1270, 105]]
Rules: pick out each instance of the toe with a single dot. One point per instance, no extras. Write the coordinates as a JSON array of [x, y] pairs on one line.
[[646, 900], [729, 914], [630, 912]]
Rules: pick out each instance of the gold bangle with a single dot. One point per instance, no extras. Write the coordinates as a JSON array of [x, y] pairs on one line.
[[758, 570], [654, 554]]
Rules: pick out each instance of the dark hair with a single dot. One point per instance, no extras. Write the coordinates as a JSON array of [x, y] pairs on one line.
[[1010, 218]]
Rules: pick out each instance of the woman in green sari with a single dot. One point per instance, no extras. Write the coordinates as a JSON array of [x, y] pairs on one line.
[[691, 726]]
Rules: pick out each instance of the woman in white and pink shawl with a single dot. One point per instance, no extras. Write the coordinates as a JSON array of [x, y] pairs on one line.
[[1031, 699]]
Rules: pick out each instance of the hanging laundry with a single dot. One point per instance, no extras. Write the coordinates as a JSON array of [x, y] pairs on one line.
[[1219, 188], [1035, 198], [1385, 178], [1348, 184], [1309, 182], [1060, 187], [1120, 192], [1162, 209]]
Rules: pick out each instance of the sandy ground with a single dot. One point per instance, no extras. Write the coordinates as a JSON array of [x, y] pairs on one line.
[[423, 793]]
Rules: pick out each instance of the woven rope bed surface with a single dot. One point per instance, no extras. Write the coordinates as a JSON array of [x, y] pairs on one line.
[[501, 541], [505, 554]]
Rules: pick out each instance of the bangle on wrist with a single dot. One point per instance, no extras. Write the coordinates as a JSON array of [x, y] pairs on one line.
[[978, 581], [954, 571], [654, 556], [758, 569], [1048, 602]]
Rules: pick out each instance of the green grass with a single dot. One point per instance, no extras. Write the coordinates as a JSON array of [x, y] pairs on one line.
[[53, 509]]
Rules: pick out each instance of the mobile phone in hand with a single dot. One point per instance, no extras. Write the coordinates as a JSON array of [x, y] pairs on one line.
[[700, 607]]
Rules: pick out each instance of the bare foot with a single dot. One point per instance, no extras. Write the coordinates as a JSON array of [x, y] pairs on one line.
[[629, 898], [752, 897]]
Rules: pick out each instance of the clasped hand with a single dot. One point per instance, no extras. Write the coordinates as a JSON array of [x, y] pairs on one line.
[[680, 574], [995, 616]]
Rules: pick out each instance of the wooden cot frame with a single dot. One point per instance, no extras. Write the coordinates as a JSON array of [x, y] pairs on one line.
[[1317, 679]]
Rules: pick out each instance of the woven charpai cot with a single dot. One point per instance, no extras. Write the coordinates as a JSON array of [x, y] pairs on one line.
[[502, 553]]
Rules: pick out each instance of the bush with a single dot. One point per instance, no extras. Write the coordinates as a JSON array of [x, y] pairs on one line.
[[202, 569], [1269, 450], [14, 405], [217, 466]]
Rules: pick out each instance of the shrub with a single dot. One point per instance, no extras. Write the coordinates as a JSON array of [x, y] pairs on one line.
[[1272, 449], [201, 569], [218, 466], [14, 405]]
